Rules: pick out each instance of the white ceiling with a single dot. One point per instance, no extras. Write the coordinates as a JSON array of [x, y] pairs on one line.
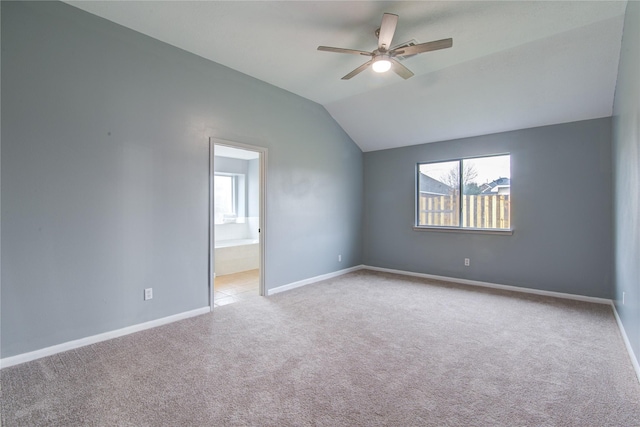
[[513, 64]]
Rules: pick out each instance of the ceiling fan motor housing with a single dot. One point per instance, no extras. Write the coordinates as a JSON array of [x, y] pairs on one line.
[[383, 58]]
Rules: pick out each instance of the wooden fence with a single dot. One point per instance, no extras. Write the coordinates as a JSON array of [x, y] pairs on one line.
[[478, 211]]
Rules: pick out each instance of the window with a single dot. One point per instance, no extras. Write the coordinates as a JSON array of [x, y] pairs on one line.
[[480, 200], [228, 197]]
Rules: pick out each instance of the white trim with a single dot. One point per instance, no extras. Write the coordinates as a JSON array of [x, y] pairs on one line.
[[210, 223], [494, 285], [627, 343], [441, 229], [70, 345], [262, 209], [313, 280]]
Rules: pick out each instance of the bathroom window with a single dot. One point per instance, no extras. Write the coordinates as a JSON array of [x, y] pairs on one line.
[[229, 193]]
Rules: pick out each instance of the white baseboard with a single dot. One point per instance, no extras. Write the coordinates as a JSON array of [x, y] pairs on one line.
[[493, 285], [313, 280], [627, 343], [70, 345]]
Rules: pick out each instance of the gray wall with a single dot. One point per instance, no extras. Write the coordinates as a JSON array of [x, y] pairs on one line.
[[626, 158], [561, 211], [229, 165], [105, 176]]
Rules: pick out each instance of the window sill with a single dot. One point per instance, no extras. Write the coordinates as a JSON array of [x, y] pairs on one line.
[[500, 231]]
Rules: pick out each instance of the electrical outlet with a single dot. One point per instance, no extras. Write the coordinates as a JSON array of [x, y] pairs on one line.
[[148, 294], [339, 258], [466, 262]]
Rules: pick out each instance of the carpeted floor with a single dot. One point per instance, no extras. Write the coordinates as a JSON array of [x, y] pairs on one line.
[[364, 349]]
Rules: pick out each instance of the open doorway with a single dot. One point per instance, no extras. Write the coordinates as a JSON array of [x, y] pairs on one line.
[[236, 238]]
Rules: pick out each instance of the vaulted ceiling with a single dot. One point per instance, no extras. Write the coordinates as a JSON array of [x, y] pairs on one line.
[[513, 64]]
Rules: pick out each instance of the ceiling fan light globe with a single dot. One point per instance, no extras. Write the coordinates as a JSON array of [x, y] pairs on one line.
[[381, 65]]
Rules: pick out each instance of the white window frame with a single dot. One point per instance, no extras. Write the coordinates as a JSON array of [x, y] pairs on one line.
[[459, 228], [238, 196]]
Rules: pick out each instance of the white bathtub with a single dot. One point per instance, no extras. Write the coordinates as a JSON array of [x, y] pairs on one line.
[[234, 256]]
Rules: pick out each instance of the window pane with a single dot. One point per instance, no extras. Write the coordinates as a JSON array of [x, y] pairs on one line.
[[438, 194], [486, 192], [223, 203]]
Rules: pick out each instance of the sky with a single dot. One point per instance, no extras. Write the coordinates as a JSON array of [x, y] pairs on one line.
[[488, 168]]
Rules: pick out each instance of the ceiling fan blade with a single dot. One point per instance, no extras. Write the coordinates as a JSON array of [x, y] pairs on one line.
[[341, 50], [423, 47], [387, 29], [400, 69], [358, 70]]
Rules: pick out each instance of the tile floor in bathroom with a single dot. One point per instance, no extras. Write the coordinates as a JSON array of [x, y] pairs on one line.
[[236, 287]]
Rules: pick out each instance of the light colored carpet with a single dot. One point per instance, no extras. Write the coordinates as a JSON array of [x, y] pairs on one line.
[[364, 349]]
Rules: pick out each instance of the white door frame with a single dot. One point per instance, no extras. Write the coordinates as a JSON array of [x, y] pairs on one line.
[[261, 209]]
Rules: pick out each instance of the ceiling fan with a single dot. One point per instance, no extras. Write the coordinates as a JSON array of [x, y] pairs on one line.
[[383, 58]]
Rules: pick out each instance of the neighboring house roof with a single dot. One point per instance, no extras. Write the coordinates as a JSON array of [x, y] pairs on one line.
[[430, 185], [495, 186]]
